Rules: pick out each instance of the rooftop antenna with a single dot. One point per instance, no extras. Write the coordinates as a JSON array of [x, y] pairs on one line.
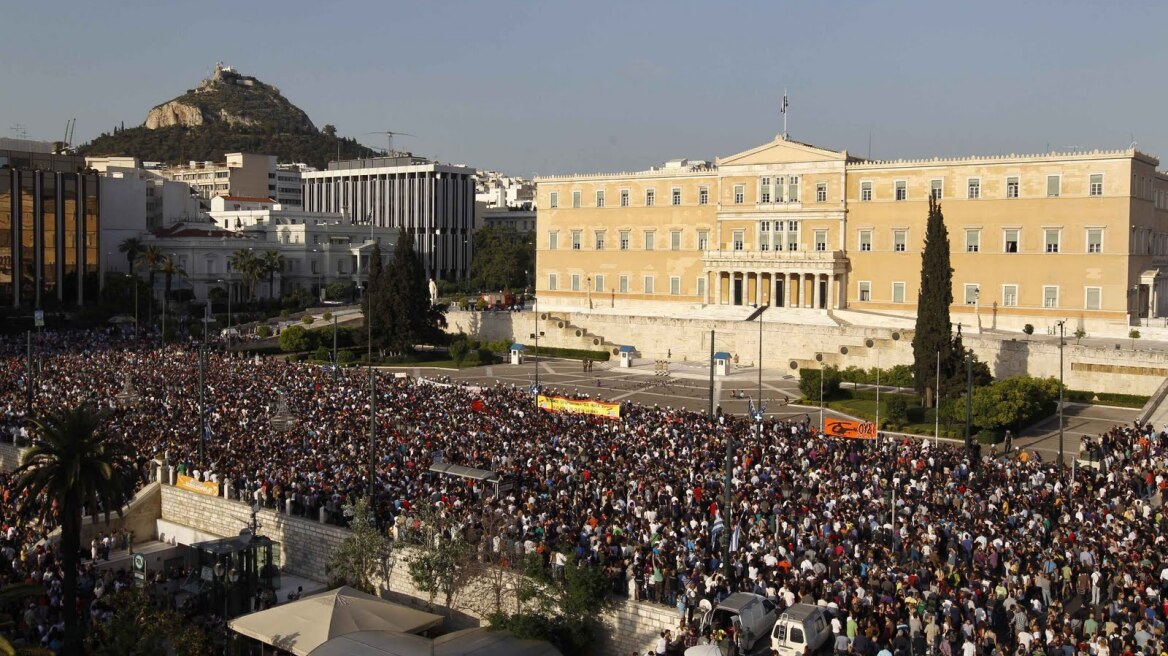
[[20, 131], [783, 111], [389, 135]]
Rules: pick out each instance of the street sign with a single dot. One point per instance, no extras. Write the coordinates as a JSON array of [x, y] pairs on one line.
[[139, 566], [38, 317]]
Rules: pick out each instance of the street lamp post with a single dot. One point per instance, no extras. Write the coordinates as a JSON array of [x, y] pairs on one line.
[[819, 358], [372, 428], [1062, 335], [534, 358], [336, 363], [968, 398], [202, 407], [726, 502]]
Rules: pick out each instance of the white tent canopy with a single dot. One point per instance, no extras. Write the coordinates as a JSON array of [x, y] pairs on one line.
[[304, 625], [469, 642]]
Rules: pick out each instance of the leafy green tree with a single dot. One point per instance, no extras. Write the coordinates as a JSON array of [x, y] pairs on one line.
[[1014, 403], [138, 628], [809, 383], [294, 339], [78, 466], [458, 351], [933, 327], [562, 611], [442, 562], [502, 257], [365, 556]]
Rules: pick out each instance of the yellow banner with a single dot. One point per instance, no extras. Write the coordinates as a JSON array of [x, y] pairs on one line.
[[852, 430], [188, 483], [561, 404]]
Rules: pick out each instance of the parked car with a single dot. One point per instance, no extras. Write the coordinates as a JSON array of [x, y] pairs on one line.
[[750, 614], [802, 629]]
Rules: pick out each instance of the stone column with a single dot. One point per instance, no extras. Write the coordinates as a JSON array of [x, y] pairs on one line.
[[757, 288], [718, 287], [830, 291], [815, 295]]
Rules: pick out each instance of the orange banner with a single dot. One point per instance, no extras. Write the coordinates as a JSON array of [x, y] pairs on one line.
[[852, 430], [561, 404], [202, 487]]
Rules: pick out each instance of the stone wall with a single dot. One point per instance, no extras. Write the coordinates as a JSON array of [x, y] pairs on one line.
[[791, 346]]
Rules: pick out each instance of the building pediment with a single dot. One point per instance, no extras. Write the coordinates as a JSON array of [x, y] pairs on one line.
[[782, 151]]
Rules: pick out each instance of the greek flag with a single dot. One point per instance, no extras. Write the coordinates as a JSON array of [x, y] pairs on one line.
[[206, 431], [735, 537]]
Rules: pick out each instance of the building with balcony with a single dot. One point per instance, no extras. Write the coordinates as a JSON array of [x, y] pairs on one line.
[[1034, 239]]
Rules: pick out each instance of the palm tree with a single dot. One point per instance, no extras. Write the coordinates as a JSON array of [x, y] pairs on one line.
[[273, 263], [151, 258], [169, 269], [248, 265], [78, 466], [132, 247]]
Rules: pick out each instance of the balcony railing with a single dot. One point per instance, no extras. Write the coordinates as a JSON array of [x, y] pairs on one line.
[[776, 256]]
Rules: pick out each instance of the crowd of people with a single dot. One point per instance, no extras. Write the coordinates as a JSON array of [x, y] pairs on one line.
[[921, 548]]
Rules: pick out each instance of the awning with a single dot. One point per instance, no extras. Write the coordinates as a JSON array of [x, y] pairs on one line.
[[628, 349], [469, 642], [721, 355], [465, 472], [517, 347]]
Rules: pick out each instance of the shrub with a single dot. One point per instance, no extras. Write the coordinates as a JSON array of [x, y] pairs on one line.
[[485, 356], [570, 354], [897, 409], [458, 351], [322, 353], [1028, 329], [285, 313], [327, 316], [264, 331], [294, 339], [1014, 403], [809, 383], [345, 356], [1079, 396], [1123, 400], [307, 319]]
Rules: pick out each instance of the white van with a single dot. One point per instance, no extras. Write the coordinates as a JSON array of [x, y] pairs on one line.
[[752, 615], [801, 628]]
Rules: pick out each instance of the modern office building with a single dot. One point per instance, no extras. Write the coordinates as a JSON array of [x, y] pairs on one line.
[[50, 225], [242, 174], [434, 202], [1034, 238]]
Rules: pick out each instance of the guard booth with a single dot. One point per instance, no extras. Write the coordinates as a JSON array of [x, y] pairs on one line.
[[227, 574], [517, 353], [721, 363], [626, 356]]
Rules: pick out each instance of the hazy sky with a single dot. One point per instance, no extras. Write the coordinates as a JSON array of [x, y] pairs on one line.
[[557, 87]]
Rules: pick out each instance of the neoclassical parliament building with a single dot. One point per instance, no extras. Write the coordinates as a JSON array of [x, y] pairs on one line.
[[1080, 236]]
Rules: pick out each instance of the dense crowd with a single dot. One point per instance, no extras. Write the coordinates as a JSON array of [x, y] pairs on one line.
[[996, 555]]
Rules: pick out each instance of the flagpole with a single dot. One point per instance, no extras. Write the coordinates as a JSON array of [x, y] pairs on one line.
[[783, 109], [937, 406]]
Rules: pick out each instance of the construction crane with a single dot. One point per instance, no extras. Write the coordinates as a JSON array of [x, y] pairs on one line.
[[389, 135], [70, 126]]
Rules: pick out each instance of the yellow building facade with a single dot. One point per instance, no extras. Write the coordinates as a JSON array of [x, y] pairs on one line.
[[1033, 238]]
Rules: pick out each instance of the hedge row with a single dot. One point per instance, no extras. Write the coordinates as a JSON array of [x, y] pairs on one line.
[[1106, 398]]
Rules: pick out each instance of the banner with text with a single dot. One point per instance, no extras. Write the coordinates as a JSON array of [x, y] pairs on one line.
[[561, 404], [202, 487], [852, 430]]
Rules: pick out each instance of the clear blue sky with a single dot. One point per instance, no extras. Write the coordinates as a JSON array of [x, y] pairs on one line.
[[555, 87]]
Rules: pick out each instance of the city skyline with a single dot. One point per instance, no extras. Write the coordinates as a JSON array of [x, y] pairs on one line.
[[551, 89]]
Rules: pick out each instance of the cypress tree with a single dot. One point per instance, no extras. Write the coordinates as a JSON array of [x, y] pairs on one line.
[[409, 297], [374, 305], [933, 328]]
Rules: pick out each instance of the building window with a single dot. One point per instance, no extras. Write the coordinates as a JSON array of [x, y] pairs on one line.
[[936, 189], [821, 192], [675, 196], [1096, 188], [972, 241], [865, 290], [703, 240], [764, 190], [554, 200], [792, 235], [865, 240], [1093, 298], [1050, 296], [899, 240], [865, 191], [624, 198], [600, 199], [552, 282], [821, 240], [1010, 237], [1012, 187], [900, 187], [898, 292], [624, 284], [1094, 240], [675, 240], [599, 240], [792, 189], [972, 291], [675, 286], [575, 282], [624, 240], [1010, 295], [599, 279], [739, 192], [576, 199], [974, 188], [703, 196], [553, 241], [1053, 184], [649, 240], [738, 245], [575, 240], [1052, 240], [701, 286], [650, 197], [648, 284]]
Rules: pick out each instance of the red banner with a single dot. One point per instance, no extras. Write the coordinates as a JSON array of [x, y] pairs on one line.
[[852, 430]]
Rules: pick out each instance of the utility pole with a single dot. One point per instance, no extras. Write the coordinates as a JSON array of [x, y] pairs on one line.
[[202, 408], [372, 428], [937, 406], [1062, 335], [29, 379], [819, 357], [336, 363], [968, 398], [726, 514], [711, 409]]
